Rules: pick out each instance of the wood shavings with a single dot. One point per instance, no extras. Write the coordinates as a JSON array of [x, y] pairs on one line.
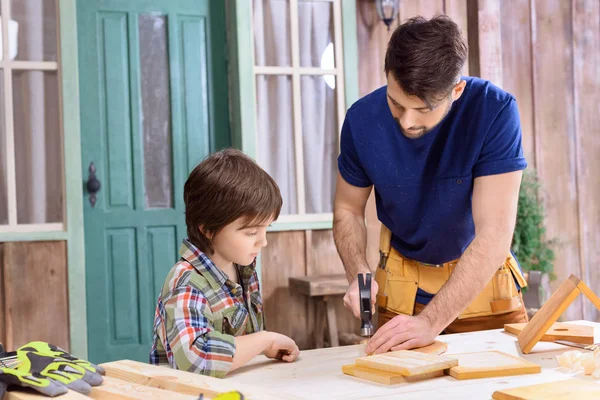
[[576, 361]]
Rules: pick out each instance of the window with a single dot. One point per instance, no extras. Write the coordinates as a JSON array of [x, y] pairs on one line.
[[31, 155], [300, 103]]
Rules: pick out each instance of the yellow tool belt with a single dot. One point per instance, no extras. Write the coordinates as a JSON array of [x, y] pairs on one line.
[[399, 278]]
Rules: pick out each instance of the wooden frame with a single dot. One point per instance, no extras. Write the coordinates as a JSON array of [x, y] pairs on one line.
[[346, 73], [7, 65], [552, 310]]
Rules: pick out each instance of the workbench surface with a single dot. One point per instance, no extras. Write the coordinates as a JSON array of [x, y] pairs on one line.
[[317, 374]]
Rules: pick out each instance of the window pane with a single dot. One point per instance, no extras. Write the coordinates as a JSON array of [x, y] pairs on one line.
[[316, 34], [38, 147], [320, 141], [156, 111], [37, 33], [276, 135], [3, 188], [271, 19]]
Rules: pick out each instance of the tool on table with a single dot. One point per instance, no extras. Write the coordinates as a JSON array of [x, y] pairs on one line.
[[364, 291], [591, 347]]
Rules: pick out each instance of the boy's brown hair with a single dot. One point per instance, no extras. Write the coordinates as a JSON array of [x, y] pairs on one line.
[[426, 57], [226, 186]]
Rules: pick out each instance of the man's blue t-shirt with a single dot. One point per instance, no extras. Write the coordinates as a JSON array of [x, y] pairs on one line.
[[423, 186]]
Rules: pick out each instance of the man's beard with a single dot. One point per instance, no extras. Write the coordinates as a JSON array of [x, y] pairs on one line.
[[421, 130]]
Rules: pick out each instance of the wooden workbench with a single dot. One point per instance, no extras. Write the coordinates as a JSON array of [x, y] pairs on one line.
[[317, 374]]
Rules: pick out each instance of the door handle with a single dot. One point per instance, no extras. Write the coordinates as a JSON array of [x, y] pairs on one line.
[[93, 184]]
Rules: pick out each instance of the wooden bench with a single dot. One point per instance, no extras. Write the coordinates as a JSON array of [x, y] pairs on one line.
[[320, 289]]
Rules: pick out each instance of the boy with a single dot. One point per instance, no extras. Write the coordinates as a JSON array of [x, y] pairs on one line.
[[209, 314]]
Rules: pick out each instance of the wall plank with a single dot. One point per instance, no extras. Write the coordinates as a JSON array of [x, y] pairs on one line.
[[586, 62], [555, 132], [35, 293], [517, 67], [457, 10], [323, 259], [285, 312], [2, 294], [424, 8]]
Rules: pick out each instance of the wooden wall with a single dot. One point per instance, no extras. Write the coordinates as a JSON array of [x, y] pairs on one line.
[[547, 54], [33, 293]]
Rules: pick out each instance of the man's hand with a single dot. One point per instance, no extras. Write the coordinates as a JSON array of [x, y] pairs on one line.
[[352, 296], [402, 332]]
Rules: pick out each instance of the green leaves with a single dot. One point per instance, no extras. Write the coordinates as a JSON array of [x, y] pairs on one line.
[[530, 244]]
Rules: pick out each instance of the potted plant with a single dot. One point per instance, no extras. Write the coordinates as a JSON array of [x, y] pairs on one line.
[[530, 245]]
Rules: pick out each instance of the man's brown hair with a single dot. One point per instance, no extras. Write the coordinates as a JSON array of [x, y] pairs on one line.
[[426, 57], [226, 186]]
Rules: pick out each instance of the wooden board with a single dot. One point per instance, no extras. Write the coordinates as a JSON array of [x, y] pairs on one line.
[[320, 285], [548, 314], [559, 331], [487, 364], [390, 378], [26, 266], [30, 394], [407, 363], [285, 248], [586, 58], [182, 382], [386, 378], [568, 389], [117, 389]]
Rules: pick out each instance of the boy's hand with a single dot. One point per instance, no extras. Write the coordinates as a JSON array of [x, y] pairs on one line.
[[281, 347]]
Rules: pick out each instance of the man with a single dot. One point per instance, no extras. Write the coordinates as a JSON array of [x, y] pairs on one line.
[[443, 154]]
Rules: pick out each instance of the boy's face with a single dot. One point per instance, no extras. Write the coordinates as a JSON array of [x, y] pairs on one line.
[[239, 243]]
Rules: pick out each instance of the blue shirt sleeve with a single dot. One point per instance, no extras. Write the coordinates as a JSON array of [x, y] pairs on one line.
[[502, 148], [348, 163]]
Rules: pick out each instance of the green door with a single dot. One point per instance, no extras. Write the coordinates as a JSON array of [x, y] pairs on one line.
[[153, 103]]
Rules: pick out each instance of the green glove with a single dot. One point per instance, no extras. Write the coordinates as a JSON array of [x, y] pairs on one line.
[[54, 351], [49, 374]]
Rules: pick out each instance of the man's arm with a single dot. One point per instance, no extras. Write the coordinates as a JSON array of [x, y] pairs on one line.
[[349, 229], [495, 199], [350, 236]]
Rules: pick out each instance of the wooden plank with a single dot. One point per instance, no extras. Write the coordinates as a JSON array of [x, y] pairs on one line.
[[490, 41], [322, 259], [114, 388], [406, 362], [567, 389], [548, 314], [373, 37], [283, 258], [389, 378], [589, 294], [30, 394], [2, 309], [517, 66], [556, 134], [180, 381], [424, 8], [40, 268], [320, 285], [457, 10], [559, 331], [586, 58], [488, 364], [386, 378]]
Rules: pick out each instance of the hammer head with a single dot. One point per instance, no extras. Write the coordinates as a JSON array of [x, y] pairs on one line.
[[364, 290]]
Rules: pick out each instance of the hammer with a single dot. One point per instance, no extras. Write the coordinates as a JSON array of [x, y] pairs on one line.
[[364, 290]]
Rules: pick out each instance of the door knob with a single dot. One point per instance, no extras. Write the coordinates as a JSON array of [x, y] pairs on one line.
[[93, 184]]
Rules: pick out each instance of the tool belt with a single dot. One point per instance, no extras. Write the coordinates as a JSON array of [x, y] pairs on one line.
[[399, 278]]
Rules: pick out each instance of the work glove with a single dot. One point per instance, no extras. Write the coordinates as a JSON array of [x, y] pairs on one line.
[[39, 366]]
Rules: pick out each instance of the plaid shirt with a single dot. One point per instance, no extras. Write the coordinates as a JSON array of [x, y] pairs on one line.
[[199, 312]]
